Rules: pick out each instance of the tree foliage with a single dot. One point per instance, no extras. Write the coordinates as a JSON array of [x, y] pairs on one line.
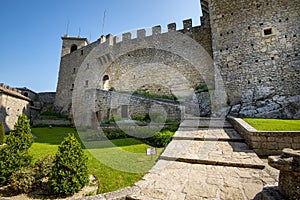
[[69, 173]]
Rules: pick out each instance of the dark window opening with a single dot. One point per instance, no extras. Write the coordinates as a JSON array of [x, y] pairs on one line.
[[249, 27], [252, 45], [81, 52], [105, 78], [296, 54], [86, 83], [285, 36], [287, 19], [73, 48], [248, 82], [26, 94], [261, 24], [295, 35], [221, 34], [259, 81], [74, 70], [256, 61], [270, 80], [268, 31], [280, 20]]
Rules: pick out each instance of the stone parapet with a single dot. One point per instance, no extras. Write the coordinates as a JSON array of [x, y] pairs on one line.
[[266, 143]]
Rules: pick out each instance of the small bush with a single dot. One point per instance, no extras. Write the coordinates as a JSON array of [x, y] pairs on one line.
[[112, 89], [22, 125], [23, 180], [137, 118], [15, 154], [2, 133], [43, 166], [69, 173], [161, 139]]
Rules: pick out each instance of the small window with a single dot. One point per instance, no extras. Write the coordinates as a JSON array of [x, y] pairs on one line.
[[86, 83], [26, 94], [74, 70], [81, 52], [268, 31], [105, 78], [73, 48], [72, 87]]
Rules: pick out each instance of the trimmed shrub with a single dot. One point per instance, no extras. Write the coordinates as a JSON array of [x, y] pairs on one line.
[[43, 166], [161, 139], [69, 173], [14, 155], [23, 125], [23, 180], [11, 160], [2, 133]]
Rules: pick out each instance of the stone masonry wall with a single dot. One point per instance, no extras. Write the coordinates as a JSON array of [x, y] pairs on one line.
[[71, 62], [12, 105], [266, 143], [110, 104], [256, 48]]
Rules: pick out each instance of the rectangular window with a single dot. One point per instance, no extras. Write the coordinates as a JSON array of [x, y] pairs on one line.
[[268, 31], [86, 83]]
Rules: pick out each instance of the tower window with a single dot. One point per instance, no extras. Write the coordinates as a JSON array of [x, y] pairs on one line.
[[86, 83], [268, 31], [73, 48]]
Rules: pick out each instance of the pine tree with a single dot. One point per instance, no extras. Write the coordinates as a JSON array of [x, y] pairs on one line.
[[2, 133]]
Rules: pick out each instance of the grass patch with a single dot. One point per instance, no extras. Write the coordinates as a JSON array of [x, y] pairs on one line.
[[273, 124], [110, 179]]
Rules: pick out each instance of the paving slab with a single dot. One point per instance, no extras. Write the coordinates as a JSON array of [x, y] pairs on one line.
[[204, 134], [176, 180], [205, 123], [212, 152]]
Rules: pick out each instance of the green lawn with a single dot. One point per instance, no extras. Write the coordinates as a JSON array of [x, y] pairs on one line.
[[129, 154], [273, 124]]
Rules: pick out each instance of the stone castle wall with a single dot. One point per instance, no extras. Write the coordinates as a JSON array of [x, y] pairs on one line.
[[256, 48], [128, 72], [12, 105]]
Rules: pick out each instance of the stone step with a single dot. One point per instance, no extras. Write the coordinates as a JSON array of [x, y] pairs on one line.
[[205, 123], [215, 134], [235, 154], [177, 180]]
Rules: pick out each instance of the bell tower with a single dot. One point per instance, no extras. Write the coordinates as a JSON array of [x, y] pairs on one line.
[[71, 44]]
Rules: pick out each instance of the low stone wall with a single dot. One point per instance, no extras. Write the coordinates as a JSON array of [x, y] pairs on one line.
[[266, 143], [60, 122]]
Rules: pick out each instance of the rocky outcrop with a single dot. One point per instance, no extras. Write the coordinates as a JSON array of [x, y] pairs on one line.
[[265, 104]]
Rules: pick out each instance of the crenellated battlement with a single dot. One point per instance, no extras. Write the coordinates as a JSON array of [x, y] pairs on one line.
[[141, 33]]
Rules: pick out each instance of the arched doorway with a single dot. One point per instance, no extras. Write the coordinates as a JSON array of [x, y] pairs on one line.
[[105, 80]]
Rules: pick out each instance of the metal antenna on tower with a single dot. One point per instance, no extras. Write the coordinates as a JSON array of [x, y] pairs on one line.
[[67, 33], [104, 16]]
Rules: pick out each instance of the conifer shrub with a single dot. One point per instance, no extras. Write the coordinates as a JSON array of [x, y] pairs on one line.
[[14, 155], [2, 133], [23, 180], [69, 173], [43, 166]]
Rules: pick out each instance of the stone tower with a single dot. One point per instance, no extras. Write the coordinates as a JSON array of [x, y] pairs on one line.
[[71, 44]]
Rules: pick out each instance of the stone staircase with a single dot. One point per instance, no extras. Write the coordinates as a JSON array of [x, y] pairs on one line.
[[207, 159]]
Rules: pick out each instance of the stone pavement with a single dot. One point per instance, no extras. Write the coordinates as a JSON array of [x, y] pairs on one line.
[[207, 159]]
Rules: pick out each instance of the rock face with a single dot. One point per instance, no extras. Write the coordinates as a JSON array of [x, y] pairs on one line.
[[268, 107], [289, 178]]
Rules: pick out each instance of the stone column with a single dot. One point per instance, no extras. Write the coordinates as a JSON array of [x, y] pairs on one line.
[[289, 178]]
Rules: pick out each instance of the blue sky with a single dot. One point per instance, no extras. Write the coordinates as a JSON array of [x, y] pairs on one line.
[[31, 31]]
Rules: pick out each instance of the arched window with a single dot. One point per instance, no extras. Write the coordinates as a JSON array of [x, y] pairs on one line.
[[105, 80], [73, 48]]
